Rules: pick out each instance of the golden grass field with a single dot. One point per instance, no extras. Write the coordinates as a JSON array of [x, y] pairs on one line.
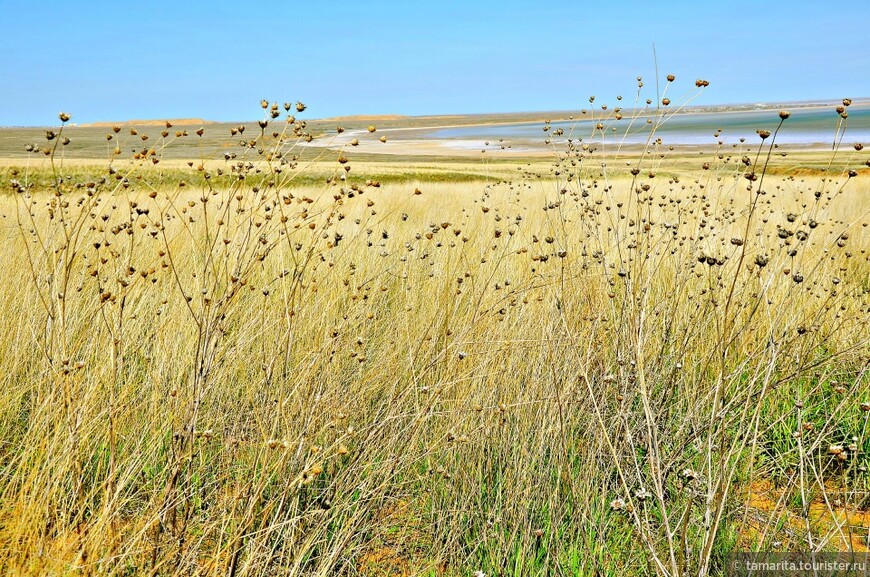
[[568, 364]]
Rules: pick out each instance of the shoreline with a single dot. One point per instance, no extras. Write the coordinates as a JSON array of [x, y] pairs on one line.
[[413, 141]]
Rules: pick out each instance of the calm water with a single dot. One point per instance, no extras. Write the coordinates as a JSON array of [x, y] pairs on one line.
[[805, 126]]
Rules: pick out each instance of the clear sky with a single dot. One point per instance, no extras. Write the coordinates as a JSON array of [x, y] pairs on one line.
[[116, 60]]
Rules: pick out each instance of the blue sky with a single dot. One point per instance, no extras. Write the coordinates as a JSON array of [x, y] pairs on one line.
[[216, 60]]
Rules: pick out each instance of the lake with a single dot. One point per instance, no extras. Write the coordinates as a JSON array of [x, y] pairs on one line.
[[805, 126]]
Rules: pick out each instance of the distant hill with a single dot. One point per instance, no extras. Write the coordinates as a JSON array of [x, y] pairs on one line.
[[365, 117], [173, 121]]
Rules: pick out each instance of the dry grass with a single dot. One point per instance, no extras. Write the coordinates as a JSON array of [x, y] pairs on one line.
[[568, 369]]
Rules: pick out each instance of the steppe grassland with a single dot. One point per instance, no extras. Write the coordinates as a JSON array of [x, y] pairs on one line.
[[540, 368]]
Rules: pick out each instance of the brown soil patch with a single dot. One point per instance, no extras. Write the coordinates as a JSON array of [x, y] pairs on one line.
[[771, 515], [399, 546]]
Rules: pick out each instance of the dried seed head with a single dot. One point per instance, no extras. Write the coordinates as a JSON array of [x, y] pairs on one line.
[[690, 474], [64, 117], [372, 128], [784, 114], [300, 107], [671, 78], [763, 133], [666, 101]]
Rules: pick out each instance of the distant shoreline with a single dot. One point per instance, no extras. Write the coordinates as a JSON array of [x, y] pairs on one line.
[[417, 140]]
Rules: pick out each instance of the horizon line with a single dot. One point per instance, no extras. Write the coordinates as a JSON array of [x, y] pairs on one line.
[[397, 116]]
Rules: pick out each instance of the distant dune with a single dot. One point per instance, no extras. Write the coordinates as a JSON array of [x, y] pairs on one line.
[[173, 121], [367, 117]]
